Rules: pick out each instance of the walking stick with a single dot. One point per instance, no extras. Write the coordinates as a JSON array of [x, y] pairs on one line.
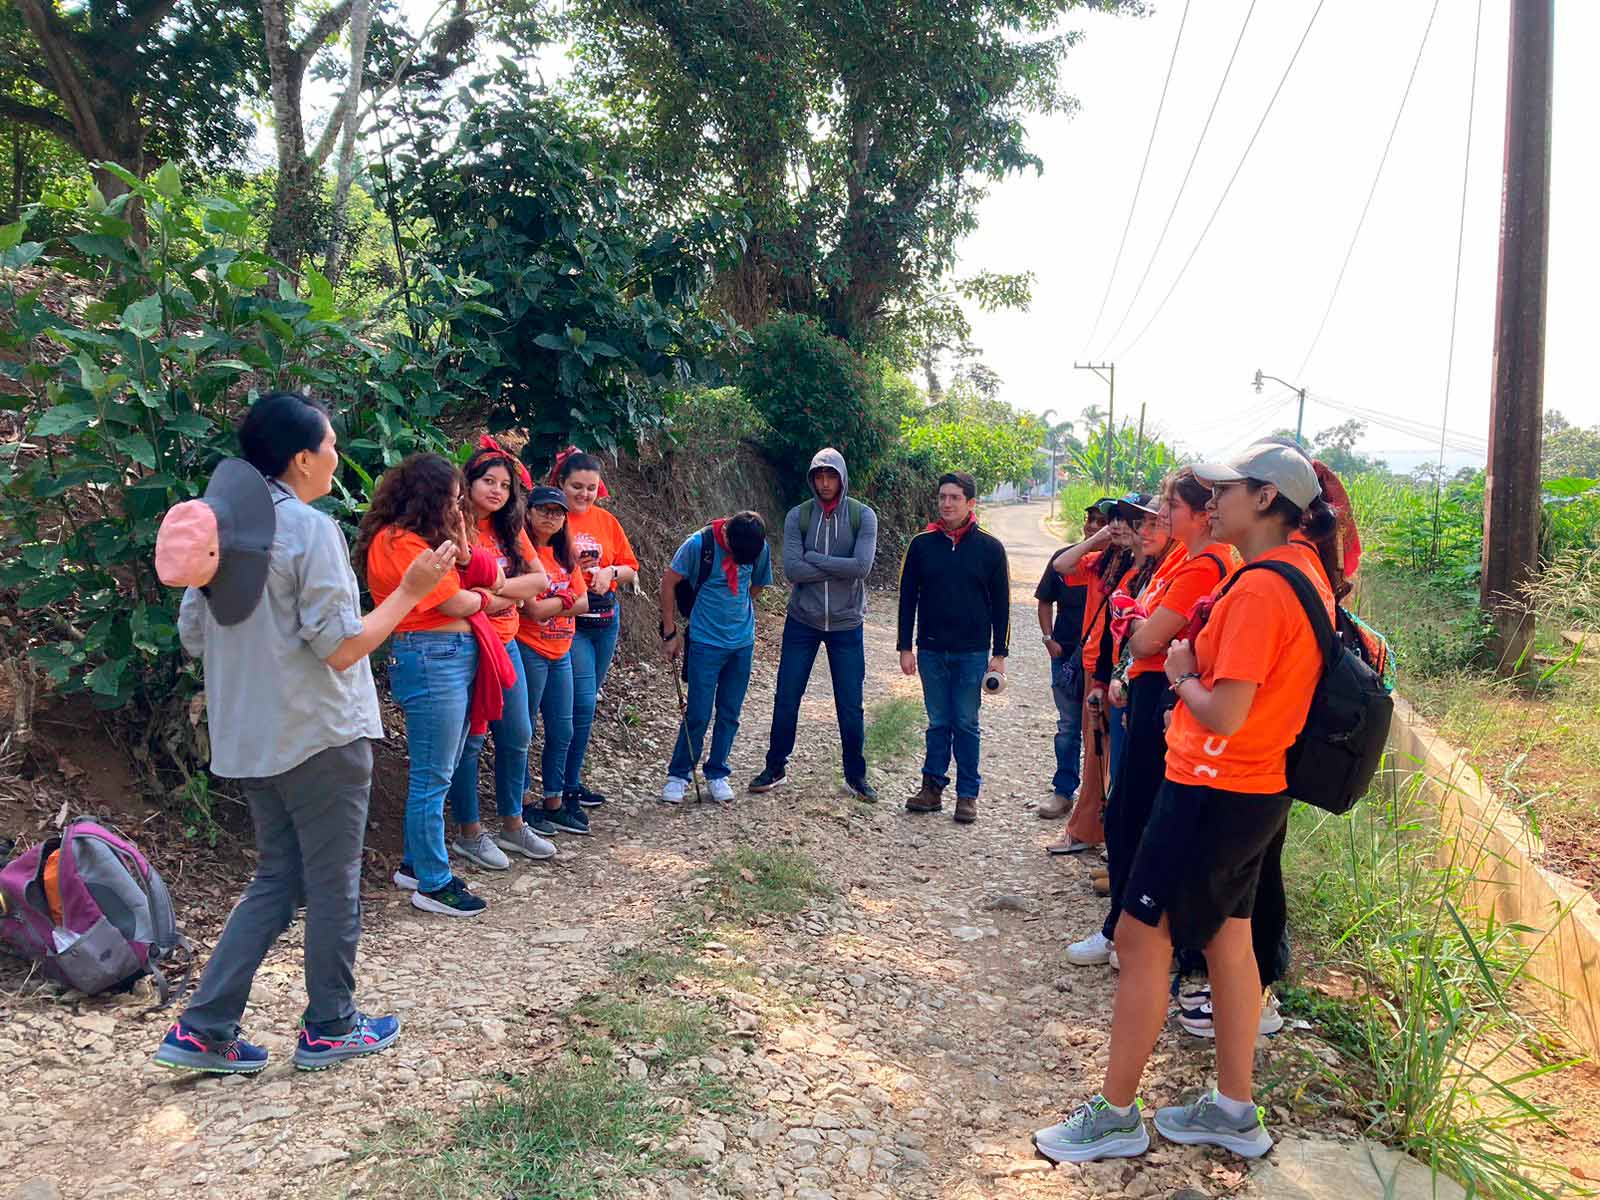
[[683, 711]]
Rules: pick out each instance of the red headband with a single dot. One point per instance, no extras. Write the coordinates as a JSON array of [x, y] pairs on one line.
[[489, 448], [555, 471]]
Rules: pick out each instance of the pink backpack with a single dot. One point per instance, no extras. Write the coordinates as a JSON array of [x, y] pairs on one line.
[[117, 921]]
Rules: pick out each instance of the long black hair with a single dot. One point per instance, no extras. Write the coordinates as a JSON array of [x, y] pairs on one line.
[[278, 426], [508, 521], [1113, 564]]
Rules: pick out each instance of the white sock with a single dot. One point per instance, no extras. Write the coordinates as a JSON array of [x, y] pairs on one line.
[[1236, 1110], [1121, 1110]]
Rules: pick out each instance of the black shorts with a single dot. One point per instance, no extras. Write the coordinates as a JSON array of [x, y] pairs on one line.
[[1200, 859]]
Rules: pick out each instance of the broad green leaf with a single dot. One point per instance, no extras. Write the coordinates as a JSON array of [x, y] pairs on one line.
[[51, 590], [94, 379], [167, 182], [551, 341], [11, 235], [137, 447], [143, 317], [106, 679], [65, 418]]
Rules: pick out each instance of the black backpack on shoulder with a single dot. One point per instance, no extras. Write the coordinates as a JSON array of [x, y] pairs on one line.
[[1332, 762], [686, 589]]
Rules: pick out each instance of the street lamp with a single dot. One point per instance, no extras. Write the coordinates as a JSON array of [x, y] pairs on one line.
[[1299, 421]]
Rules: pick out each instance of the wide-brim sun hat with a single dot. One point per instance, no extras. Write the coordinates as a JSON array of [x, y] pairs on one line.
[[222, 542], [1286, 468]]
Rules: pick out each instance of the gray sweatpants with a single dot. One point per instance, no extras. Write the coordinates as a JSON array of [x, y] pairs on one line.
[[310, 824]]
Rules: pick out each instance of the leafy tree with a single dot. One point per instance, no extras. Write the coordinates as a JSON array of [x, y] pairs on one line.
[[596, 305], [993, 452], [859, 138], [135, 82], [1336, 446], [813, 391], [1570, 450]]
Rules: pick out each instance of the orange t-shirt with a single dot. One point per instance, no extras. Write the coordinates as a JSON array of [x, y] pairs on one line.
[[605, 529], [506, 623], [1181, 580], [389, 553], [1094, 614], [1258, 633], [550, 638]]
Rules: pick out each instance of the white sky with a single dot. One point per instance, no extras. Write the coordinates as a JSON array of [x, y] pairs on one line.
[[1256, 291]]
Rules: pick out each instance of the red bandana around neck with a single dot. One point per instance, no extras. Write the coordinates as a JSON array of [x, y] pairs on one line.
[[829, 506], [730, 569], [956, 535]]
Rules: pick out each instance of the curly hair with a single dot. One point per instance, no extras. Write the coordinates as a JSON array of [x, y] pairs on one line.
[[509, 520], [415, 496]]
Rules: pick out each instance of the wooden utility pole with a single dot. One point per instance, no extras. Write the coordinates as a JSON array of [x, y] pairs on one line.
[[1108, 372], [1138, 447], [1512, 493]]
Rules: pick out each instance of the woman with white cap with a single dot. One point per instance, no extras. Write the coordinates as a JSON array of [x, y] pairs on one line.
[[1244, 688], [273, 609]]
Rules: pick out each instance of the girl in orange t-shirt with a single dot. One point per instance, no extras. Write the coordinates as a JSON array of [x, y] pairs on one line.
[[544, 642], [1243, 691], [497, 483], [433, 659], [607, 561]]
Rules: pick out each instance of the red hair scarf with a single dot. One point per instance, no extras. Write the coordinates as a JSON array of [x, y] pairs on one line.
[[489, 448], [555, 471]]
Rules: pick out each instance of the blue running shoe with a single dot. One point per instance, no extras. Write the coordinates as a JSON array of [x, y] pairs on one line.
[[369, 1035], [185, 1050]]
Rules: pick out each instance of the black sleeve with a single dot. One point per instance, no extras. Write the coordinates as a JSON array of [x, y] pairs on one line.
[[910, 583], [1048, 590], [1000, 602]]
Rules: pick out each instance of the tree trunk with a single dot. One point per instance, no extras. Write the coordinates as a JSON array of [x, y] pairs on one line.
[[294, 194], [360, 23]]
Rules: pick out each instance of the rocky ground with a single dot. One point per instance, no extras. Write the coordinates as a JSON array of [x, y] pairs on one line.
[[900, 1037]]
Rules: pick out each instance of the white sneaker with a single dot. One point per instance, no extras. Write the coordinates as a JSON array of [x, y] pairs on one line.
[[674, 791], [721, 790], [481, 850], [527, 843], [1113, 961], [1091, 952], [1199, 1022]]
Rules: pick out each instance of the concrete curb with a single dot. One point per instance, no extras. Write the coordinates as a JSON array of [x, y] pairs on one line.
[[1508, 884]]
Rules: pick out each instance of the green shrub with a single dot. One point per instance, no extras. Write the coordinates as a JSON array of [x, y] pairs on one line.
[[126, 397], [813, 390]]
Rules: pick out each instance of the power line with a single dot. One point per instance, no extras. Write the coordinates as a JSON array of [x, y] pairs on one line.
[[1421, 430], [1299, 46], [1455, 293], [1371, 192], [1138, 288], [1139, 185], [1254, 412]]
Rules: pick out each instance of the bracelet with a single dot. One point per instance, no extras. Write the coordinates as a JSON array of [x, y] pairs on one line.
[[1179, 681], [568, 601], [666, 635]]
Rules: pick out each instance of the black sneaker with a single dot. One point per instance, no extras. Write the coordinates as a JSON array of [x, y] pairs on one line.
[[585, 797], [452, 900], [864, 791], [767, 780], [538, 820], [569, 818]]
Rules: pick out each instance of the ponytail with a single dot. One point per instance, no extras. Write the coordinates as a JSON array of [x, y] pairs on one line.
[[1319, 525]]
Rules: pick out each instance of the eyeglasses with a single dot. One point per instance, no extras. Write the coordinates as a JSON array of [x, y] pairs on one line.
[[1217, 489], [551, 512]]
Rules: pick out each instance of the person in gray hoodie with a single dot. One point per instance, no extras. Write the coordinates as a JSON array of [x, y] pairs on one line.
[[829, 543]]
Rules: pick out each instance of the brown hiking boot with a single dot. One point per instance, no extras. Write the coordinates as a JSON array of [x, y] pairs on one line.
[[927, 799], [966, 810], [1054, 808]]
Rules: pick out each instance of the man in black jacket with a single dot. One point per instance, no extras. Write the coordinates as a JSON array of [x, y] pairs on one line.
[[955, 591]]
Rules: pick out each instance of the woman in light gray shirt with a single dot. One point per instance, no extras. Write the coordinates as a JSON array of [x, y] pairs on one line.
[[291, 712]]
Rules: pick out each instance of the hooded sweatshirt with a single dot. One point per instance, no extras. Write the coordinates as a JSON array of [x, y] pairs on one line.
[[826, 562]]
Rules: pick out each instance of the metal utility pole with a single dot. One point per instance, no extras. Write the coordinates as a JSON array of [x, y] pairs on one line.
[[1108, 372], [1516, 424], [1300, 420], [1138, 446]]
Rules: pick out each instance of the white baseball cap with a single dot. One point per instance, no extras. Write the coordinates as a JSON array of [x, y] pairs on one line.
[[1286, 468]]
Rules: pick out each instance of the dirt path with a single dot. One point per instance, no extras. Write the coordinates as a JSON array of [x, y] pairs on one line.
[[936, 1024]]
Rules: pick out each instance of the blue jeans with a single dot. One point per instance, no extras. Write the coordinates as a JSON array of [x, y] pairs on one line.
[[550, 695], [847, 665], [430, 676], [1066, 685], [952, 685], [592, 649], [719, 678], [512, 733]]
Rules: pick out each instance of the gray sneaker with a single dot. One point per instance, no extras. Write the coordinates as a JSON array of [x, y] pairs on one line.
[[1094, 1131], [526, 842], [481, 850], [1203, 1123]]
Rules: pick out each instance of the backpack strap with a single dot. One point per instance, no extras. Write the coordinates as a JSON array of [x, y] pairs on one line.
[[1310, 601], [854, 508], [808, 509], [708, 551], [1222, 569]]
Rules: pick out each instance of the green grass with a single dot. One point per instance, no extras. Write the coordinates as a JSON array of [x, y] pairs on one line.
[[894, 728], [749, 884], [677, 1029], [1378, 896]]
